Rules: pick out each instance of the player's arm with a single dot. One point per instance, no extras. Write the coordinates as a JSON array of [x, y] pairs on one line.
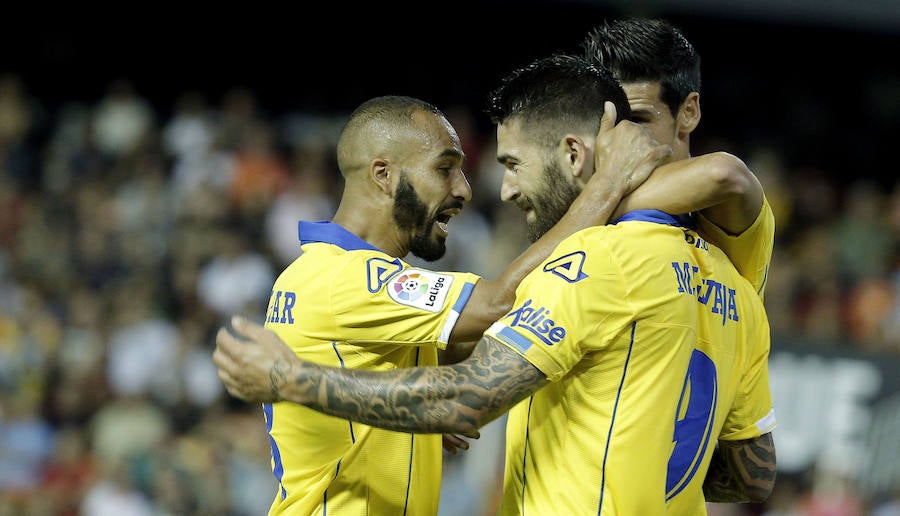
[[741, 471], [718, 184], [624, 156], [255, 365]]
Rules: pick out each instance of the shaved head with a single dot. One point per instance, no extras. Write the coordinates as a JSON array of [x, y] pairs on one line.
[[402, 164], [376, 129]]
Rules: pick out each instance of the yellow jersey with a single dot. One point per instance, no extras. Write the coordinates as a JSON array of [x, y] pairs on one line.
[[751, 250], [344, 303], [655, 348]]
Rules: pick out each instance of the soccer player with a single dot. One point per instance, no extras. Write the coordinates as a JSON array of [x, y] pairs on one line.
[[350, 301], [659, 69], [627, 353]]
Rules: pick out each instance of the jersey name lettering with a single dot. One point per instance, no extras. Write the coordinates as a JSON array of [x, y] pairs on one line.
[[277, 312], [720, 299]]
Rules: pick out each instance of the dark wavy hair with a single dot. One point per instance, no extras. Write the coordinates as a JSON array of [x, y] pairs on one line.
[[647, 49], [557, 93]]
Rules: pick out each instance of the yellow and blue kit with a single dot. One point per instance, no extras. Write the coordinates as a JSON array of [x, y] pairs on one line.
[[656, 347], [751, 250], [345, 303]]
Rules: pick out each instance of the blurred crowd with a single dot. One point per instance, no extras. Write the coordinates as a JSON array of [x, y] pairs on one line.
[[131, 231]]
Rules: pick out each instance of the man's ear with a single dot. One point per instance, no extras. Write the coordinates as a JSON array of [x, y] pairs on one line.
[[576, 154], [688, 115], [380, 172]]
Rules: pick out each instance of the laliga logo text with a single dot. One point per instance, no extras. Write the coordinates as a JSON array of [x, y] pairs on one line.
[[538, 323], [433, 291]]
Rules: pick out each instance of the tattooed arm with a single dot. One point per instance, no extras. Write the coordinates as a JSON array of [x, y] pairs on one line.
[[741, 471], [255, 365]]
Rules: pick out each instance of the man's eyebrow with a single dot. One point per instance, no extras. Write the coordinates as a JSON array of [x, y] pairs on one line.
[[503, 159], [452, 153], [643, 111]]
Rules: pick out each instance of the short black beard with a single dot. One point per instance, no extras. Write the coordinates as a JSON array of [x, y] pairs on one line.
[[555, 197], [411, 215]]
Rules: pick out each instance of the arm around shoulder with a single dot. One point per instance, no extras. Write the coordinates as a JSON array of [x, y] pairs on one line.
[[740, 193], [719, 185]]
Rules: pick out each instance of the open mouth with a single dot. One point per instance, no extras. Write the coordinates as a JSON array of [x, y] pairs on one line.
[[443, 218]]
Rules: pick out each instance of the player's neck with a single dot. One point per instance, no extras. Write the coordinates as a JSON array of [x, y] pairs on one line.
[[374, 225]]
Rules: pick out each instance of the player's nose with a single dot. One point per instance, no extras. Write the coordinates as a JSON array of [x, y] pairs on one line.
[[509, 189], [460, 187]]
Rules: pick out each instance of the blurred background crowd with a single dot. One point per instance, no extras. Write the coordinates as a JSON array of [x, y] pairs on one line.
[[134, 222]]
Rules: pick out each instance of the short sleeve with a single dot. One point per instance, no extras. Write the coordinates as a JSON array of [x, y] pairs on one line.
[[570, 305], [751, 414], [393, 302], [749, 251]]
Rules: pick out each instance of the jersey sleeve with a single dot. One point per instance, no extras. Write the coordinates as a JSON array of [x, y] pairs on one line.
[[751, 414], [391, 302], [573, 294], [749, 251]]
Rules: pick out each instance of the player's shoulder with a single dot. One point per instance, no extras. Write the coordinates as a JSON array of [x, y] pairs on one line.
[[589, 236], [364, 269], [624, 232], [335, 258], [332, 265], [375, 271]]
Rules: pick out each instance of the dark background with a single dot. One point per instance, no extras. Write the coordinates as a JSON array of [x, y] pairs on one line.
[[819, 81]]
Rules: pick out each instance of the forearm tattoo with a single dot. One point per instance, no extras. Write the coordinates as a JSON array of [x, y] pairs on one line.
[[279, 375], [741, 471], [442, 399]]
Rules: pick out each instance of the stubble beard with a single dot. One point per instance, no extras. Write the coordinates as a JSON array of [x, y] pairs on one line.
[[551, 203]]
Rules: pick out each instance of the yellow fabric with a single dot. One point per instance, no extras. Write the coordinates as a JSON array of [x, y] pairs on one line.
[[353, 306], [751, 250], [614, 318]]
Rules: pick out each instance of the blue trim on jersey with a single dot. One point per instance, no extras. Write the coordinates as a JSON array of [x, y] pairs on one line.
[[337, 471], [412, 445], [341, 360], [464, 296], [658, 217], [765, 279], [525, 451], [278, 470], [612, 420], [518, 341], [331, 233]]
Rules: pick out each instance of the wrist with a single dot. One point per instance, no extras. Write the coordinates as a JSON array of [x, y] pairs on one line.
[[599, 199], [283, 379]]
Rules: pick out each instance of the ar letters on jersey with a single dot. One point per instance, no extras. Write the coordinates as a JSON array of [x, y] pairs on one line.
[[420, 289]]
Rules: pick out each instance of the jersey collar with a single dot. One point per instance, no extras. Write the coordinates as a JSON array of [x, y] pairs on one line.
[[330, 233], [658, 217]]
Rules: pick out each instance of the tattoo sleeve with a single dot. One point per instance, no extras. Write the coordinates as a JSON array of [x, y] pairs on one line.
[[455, 398], [741, 471]]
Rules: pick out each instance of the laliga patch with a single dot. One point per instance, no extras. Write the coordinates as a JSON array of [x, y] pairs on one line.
[[420, 289]]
